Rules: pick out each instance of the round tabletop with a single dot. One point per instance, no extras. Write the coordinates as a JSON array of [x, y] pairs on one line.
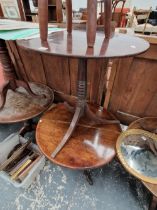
[[91, 145], [75, 45], [21, 106]]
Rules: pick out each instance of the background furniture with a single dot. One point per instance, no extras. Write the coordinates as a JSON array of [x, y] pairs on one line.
[[139, 20], [22, 10], [54, 10], [118, 13], [17, 100], [153, 18], [138, 97], [10, 9]]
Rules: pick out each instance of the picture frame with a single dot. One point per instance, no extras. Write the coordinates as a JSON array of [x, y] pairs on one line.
[[10, 9]]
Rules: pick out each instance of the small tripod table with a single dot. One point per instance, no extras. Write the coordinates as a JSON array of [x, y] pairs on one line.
[[20, 100], [91, 135]]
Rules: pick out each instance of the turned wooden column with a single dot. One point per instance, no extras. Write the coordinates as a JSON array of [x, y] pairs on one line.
[[153, 203], [43, 19], [69, 15], [92, 22], [107, 17]]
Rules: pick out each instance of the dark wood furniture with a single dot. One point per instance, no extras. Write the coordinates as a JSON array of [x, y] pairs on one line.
[[17, 100], [138, 98], [54, 10], [117, 16], [148, 124], [91, 145], [82, 46]]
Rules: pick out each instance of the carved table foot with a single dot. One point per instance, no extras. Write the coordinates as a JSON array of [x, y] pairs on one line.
[[153, 204], [3, 93], [77, 115], [28, 126], [88, 176], [97, 119]]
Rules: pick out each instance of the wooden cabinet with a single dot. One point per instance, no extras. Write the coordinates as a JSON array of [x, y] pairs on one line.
[[54, 9], [134, 90]]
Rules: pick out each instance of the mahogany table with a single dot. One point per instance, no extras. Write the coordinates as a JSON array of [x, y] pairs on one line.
[[20, 100], [87, 143]]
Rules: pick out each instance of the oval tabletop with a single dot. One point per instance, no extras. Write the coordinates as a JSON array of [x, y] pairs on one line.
[[75, 45], [149, 124], [21, 106], [90, 146]]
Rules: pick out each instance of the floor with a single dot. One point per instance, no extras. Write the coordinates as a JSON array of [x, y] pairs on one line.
[[57, 188]]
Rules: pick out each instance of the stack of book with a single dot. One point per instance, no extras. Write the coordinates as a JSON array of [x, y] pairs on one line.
[[20, 161]]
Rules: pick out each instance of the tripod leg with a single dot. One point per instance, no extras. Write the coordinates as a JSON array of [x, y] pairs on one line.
[[69, 132], [3, 94]]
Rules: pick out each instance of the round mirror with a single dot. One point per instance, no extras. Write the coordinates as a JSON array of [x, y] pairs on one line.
[[137, 151]]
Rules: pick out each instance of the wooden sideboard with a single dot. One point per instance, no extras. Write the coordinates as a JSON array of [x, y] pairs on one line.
[[132, 91]]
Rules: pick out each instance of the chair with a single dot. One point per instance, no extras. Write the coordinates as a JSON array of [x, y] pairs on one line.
[[118, 15], [139, 20], [91, 23]]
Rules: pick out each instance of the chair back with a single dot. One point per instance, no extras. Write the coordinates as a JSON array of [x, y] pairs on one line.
[[140, 15]]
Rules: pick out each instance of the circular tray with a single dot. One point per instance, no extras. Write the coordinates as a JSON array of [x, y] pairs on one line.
[[90, 146], [137, 151], [75, 45], [21, 106]]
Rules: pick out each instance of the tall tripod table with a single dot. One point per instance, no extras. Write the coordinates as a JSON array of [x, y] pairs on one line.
[[91, 135]]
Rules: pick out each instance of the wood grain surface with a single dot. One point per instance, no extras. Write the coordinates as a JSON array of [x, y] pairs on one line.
[[90, 146], [120, 45]]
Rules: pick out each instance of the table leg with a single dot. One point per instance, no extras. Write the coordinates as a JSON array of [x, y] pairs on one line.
[[88, 176], [81, 107], [9, 76], [82, 91], [153, 204], [28, 126]]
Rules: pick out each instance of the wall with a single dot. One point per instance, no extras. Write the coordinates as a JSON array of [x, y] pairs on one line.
[[143, 4], [130, 3]]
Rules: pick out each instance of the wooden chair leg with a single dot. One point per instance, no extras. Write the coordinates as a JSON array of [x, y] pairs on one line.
[[69, 15], [107, 17], [43, 19], [153, 203], [92, 22]]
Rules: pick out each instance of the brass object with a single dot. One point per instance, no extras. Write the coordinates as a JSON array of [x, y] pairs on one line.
[[137, 149], [26, 164]]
